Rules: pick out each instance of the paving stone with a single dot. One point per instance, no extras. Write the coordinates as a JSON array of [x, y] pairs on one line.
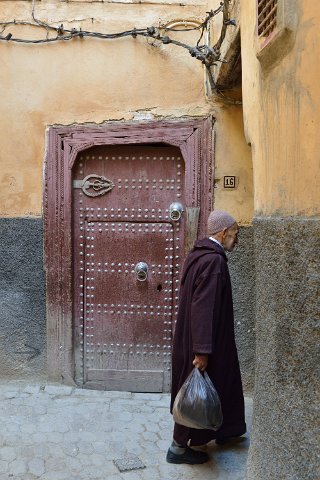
[[101, 436], [135, 427], [71, 437], [135, 475], [98, 473], [97, 460], [62, 427], [171, 472], [85, 447], [94, 436], [117, 436], [9, 395], [53, 464], [150, 473], [116, 408], [11, 440], [163, 444], [125, 417], [165, 434], [138, 405], [70, 449], [36, 467], [88, 436], [151, 448], [114, 476], [58, 389], [12, 385], [24, 395], [164, 403], [134, 448], [8, 453], [166, 423], [147, 396], [54, 437], [150, 436], [153, 459], [12, 428], [152, 427], [3, 466], [39, 437], [23, 476], [118, 395], [32, 389], [29, 451], [99, 447], [28, 428], [17, 467], [73, 464], [84, 392], [56, 475]]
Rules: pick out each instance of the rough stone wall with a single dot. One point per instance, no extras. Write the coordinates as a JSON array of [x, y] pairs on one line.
[[241, 266], [284, 440], [22, 299]]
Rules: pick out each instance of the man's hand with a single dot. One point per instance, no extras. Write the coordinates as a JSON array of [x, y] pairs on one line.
[[201, 362]]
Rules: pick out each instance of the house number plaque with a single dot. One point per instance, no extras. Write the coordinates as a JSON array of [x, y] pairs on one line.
[[229, 181]]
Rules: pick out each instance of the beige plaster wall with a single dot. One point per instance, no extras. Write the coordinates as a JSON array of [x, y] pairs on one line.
[[233, 157], [92, 80], [281, 99]]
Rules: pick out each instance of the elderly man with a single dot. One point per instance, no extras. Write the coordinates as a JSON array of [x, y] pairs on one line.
[[204, 337]]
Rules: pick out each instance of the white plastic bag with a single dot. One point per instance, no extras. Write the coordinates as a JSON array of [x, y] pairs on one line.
[[197, 404]]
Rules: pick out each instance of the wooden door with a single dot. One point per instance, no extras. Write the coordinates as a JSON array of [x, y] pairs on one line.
[[127, 255]]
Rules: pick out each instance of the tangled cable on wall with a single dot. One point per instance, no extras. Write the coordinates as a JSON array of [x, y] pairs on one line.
[[207, 55]]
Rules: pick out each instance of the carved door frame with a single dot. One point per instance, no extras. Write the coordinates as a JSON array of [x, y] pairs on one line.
[[194, 137]]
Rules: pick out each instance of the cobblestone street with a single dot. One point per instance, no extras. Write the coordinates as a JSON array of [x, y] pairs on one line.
[[55, 432]]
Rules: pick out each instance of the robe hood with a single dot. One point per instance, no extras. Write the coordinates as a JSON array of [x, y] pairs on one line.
[[201, 247]]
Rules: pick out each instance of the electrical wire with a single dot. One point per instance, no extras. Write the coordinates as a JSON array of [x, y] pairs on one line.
[[64, 34], [209, 56]]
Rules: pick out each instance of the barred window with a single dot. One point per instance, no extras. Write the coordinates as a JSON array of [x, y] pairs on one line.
[[267, 17]]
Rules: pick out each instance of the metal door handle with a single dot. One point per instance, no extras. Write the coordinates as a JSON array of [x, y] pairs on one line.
[[141, 271], [94, 185], [175, 211]]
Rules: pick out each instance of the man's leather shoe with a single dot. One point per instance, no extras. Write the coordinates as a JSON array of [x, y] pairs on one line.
[[190, 457]]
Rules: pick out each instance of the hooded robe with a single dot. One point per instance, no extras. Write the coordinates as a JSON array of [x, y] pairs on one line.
[[205, 325]]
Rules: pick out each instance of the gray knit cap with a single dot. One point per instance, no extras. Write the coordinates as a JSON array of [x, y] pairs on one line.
[[218, 220]]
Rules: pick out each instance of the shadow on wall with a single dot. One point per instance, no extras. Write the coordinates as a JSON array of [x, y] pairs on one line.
[[22, 298], [242, 271]]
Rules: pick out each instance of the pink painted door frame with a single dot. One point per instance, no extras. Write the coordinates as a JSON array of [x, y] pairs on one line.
[[194, 139]]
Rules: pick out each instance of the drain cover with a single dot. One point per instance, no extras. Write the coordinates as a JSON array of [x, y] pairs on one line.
[[128, 463]]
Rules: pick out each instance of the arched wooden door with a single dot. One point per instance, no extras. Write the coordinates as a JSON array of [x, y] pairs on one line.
[[128, 249], [107, 196]]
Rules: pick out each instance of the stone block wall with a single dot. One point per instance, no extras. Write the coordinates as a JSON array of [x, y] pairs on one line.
[[284, 439], [23, 310], [242, 271], [22, 299]]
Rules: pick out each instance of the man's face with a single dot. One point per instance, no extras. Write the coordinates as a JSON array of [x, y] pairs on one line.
[[230, 237]]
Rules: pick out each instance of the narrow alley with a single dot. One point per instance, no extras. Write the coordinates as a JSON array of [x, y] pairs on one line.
[[56, 432]]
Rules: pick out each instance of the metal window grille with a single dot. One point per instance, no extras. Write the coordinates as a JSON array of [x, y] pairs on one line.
[[267, 17]]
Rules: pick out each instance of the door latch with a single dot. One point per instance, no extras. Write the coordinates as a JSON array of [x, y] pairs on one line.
[[175, 211], [94, 185], [141, 271]]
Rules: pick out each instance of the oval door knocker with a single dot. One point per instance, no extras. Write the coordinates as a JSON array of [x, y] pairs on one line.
[[141, 271], [99, 184], [175, 211]]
